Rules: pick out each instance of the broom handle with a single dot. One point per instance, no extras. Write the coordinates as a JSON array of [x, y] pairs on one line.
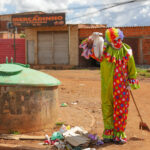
[[133, 97], [136, 105]]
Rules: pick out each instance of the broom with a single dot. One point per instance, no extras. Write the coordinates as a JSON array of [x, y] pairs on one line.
[[142, 125]]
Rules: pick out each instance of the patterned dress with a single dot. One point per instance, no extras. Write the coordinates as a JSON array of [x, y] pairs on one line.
[[117, 71]]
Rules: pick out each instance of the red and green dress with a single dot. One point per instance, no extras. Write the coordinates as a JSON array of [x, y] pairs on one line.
[[117, 69]]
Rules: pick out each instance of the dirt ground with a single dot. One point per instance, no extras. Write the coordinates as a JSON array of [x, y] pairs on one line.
[[83, 87]]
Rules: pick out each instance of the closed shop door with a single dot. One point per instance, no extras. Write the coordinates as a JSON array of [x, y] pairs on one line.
[[61, 50], [53, 48], [45, 48], [30, 52]]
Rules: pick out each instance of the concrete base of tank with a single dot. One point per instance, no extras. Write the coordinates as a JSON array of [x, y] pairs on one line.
[[26, 109]]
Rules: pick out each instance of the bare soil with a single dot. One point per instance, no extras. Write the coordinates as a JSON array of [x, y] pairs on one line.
[[81, 90]]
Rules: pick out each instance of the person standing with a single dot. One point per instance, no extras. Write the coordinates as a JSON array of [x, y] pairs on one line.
[[118, 76]]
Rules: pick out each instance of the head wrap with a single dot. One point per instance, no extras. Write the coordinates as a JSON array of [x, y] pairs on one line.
[[113, 33]]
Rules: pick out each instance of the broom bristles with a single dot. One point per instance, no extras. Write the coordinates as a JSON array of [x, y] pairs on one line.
[[144, 126]]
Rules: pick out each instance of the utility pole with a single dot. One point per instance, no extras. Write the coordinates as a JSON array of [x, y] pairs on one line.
[[14, 29]]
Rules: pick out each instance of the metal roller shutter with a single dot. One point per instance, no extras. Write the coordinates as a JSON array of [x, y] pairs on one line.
[[30, 51], [45, 48], [7, 50], [61, 48], [53, 48]]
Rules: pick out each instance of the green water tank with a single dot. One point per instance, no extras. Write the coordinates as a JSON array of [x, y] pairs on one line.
[[28, 99], [18, 74]]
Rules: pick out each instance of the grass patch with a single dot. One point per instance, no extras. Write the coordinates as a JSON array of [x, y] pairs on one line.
[[143, 71]]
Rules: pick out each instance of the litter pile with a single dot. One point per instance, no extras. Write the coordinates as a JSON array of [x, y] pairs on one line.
[[75, 138]]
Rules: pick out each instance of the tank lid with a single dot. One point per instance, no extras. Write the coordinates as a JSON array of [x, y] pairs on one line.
[[6, 69], [19, 74]]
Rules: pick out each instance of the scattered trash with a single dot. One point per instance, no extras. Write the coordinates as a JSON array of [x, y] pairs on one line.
[[92, 136], [57, 135], [49, 141], [77, 148], [75, 138], [60, 145], [95, 140], [78, 140], [46, 142], [75, 131], [99, 142], [74, 103], [64, 128], [69, 147], [68, 127], [64, 105]]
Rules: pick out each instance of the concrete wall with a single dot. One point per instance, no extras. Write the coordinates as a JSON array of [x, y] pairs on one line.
[[31, 34], [73, 45]]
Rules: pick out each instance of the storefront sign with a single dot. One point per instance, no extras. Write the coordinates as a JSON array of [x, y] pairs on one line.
[[35, 20]]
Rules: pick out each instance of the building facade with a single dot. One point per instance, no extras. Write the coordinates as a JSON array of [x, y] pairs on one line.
[[58, 43], [52, 45], [137, 37]]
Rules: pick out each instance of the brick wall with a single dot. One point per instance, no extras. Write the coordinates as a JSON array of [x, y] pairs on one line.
[[128, 31], [146, 51], [83, 33], [142, 34], [133, 42]]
